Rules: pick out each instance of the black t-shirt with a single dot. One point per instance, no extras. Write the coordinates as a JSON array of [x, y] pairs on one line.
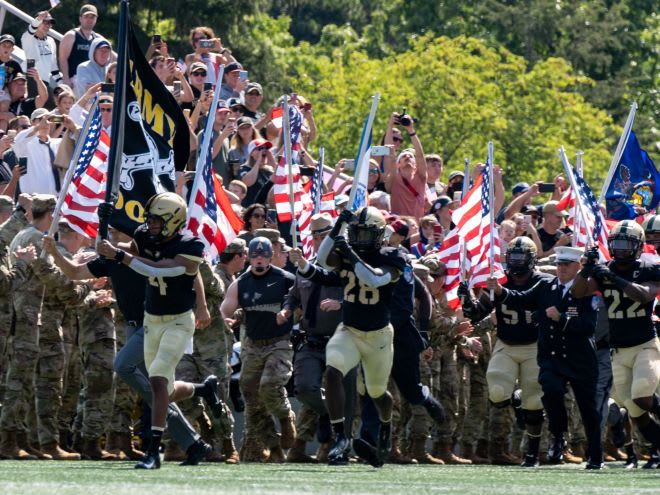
[[630, 322], [262, 297], [23, 107], [169, 295], [128, 285], [549, 240], [263, 178]]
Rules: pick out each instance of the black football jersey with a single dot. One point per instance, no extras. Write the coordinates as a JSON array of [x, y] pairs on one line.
[[515, 324], [169, 295], [631, 322], [367, 308]]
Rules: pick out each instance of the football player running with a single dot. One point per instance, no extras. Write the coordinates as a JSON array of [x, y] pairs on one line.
[[629, 286], [170, 261], [368, 273]]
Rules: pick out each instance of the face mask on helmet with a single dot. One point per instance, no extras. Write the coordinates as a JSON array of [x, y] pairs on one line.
[[519, 262], [624, 249], [365, 238]]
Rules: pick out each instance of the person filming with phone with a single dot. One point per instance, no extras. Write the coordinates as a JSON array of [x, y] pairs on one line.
[[553, 232]]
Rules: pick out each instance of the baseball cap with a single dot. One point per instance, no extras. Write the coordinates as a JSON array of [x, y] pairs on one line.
[[237, 246], [89, 9], [550, 208], [48, 17], [257, 143], [231, 67], [423, 272], [400, 227], [6, 202], [454, 174], [43, 202], [521, 187], [252, 86], [197, 66], [103, 44], [441, 202], [243, 121], [341, 199], [7, 37], [38, 113], [18, 75]]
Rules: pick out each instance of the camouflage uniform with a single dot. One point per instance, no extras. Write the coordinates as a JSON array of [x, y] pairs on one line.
[[71, 388], [125, 397]]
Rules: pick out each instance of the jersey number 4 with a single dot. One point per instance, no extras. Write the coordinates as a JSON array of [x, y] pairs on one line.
[[633, 311], [160, 283], [365, 295]]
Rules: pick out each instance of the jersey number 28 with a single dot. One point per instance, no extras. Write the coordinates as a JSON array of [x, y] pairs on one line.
[[365, 295]]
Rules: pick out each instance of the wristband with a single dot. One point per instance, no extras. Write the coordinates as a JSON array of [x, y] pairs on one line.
[[119, 255], [620, 282]]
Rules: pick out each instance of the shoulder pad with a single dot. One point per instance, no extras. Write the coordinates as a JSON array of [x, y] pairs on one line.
[[392, 256]]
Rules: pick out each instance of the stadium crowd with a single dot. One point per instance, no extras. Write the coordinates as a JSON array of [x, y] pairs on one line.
[[520, 377]]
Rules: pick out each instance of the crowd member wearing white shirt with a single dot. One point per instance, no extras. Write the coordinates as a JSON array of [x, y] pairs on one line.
[[41, 48], [40, 149]]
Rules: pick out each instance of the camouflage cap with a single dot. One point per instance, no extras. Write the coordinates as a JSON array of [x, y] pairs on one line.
[[43, 202], [63, 227], [436, 267], [273, 235], [237, 246], [422, 272], [6, 203]]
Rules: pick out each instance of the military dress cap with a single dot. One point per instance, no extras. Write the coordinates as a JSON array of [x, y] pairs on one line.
[[568, 254], [320, 223], [423, 272], [237, 246], [43, 202], [273, 235], [6, 202]]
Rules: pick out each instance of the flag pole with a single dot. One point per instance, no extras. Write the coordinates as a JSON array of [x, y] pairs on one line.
[[206, 142], [319, 173], [571, 180], [577, 218], [466, 175], [491, 203], [289, 163], [362, 148], [623, 140], [118, 116], [72, 167]]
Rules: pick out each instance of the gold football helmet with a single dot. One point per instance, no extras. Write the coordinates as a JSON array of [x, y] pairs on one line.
[[171, 209], [626, 241], [366, 230]]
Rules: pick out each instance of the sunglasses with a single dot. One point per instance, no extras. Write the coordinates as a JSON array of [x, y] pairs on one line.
[[106, 110], [199, 73], [23, 127], [254, 93], [397, 139], [373, 171]]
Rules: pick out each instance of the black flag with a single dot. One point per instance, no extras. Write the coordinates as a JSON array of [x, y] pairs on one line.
[[156, 140]]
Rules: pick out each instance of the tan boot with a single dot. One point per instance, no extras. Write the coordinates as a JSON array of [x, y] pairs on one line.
[[9, 448], [125, 445], [92, 451], [499, 456], [418, 451], [397, 457], [276, 456], [229, 451], [571, 458], [297, 454], [468, 452], [23, 443], [253, 451], [112, 446], [288, 430], [322, 452], [174, 452], [579, 449], [445, 453], [59, 454]]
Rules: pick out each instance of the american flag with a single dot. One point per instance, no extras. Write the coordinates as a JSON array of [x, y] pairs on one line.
[[281, 179], [315, 201], [592, 228], [210, 215], [87, 188], [472, 220]]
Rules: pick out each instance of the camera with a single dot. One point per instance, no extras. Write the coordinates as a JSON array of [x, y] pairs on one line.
[[206, 43], [404, 119], [56, 119]]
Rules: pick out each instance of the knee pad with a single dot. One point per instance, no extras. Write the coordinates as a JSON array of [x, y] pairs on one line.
[[500, 405], [533, 417]]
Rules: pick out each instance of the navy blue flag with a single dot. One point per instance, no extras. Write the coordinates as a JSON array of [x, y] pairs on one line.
[[636, 183]]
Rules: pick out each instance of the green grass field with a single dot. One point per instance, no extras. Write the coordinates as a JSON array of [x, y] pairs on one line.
[[97, 478]]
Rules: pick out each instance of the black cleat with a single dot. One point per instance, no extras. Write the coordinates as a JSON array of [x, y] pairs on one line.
[[595, 466], [196, 453], [556, 451], [653, 462], [384, 441], [366, 451], [631, 463], [324, 429], [150, 460], [338, 455], [530, 461], [210, 395]]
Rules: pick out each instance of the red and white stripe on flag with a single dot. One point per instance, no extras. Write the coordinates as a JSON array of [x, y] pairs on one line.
[[87, 190], [281, 192], [216, 233], [450, 254]]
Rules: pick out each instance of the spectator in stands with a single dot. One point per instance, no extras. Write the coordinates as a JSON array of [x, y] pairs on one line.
[[441, 208], [93, 71], [111, 73], [75, 44], [245, 134], [40, 47], [223, 128], [254, 218], [211, 57], [433, 172], [254, 95], [232, 84], [7, 43], [258, 170], [17, 88], [551, 232], [454, 183]]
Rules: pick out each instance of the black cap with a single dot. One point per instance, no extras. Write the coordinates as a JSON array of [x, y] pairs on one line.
[[7, 37]]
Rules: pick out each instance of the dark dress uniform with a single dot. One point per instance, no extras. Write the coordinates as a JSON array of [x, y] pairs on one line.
[[566, 354]]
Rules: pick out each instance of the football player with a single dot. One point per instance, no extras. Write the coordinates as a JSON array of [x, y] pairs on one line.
[[629, 287], [170, 261], [368, 273]]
